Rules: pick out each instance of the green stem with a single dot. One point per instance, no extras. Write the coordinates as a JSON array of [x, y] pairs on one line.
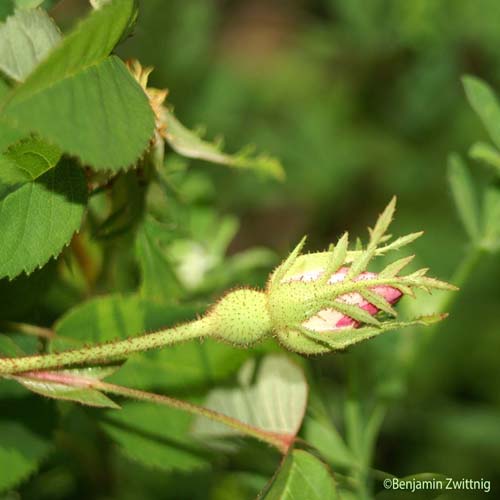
[[27, 329], [109, 351], [280, 441]]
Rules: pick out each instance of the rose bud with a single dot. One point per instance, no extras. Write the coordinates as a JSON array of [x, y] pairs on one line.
[[325, 301], [330, 319]]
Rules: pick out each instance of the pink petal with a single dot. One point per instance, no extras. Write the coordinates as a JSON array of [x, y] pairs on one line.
[[330, 319]]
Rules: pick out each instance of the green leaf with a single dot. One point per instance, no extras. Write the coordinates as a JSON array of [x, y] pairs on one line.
[[484, 102], [27, 160], [284, 269], [464, 195], [25, 40], [346, 337], [156, 436], [18, 345], [320, 433], [20, 452], [487, 154], [67, 385], [159, 281], [40, 207], [302, 476], [8, 134], [188, 144], [376, 235], [24, 441], [112, 317], [355, 312], [276, 402], [395, 267], [100, 115], [84, 101], [88, 44]]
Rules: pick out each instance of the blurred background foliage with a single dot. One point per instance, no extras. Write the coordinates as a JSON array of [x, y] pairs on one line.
[[360, 100]]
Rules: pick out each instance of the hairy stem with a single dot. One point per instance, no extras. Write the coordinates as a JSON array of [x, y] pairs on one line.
[[109, 351], [280, 441]]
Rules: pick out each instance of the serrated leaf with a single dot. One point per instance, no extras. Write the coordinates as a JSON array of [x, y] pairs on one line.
[[395, 267], [360, 263], [38, 216], [24, 441], [284, 269], [464, 195], [487, 154], [302, 475], [113, 317], [156, 436], [276, 402], [89, 43], [71, 385], [485, 104], [187, 143], [337, 258], [100, 115], [25, 40], [84, 101], [399, 242]]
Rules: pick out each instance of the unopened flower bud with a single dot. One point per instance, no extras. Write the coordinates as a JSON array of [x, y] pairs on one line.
[[296, 307], [330, 319], [326, 301]]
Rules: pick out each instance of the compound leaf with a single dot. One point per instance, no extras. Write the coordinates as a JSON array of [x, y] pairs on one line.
[[84, 101]]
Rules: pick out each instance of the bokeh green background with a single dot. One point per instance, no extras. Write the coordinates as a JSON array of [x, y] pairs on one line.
[[360, 100]]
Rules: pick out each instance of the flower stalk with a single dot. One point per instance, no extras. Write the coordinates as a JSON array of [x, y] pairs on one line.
[[110, 351], [281, 442], [313, 303]]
